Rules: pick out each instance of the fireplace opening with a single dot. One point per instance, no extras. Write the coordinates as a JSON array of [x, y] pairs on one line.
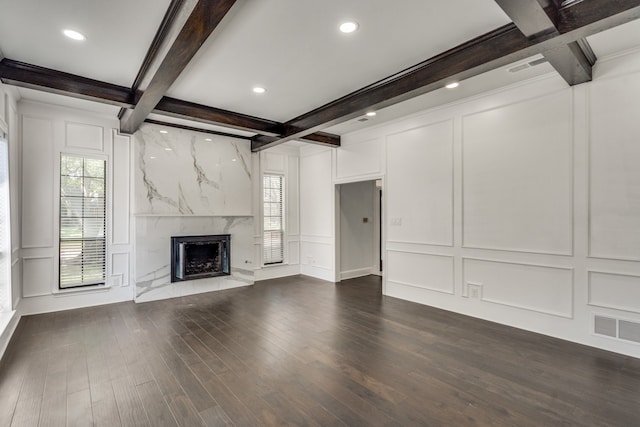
[[197, 257]]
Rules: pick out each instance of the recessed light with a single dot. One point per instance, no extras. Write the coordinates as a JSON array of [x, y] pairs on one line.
[[164, 131], [168, 149], [233, 160], [208, 139], [371, 113], [259, 89], [74, 35], [152, 157], [348, 27], [452, 85]]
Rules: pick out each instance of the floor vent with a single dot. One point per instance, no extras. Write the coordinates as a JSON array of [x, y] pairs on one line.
[[616, 328]]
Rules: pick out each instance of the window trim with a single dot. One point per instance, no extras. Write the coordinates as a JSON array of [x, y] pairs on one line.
[[284, 220], [56, 289], [6, 258]]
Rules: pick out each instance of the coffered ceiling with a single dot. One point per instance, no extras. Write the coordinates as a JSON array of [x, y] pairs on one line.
[[294, 50]]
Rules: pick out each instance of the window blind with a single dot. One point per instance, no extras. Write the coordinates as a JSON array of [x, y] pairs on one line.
[[5, 217], [82, 221], [273, 230]]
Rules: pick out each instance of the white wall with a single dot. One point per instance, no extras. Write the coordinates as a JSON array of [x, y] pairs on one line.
[[520, 206], [281, 160], [46, 132], [357, 236], [317, 213]]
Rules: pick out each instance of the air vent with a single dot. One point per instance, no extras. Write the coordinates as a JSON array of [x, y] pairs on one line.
[[364, 119], [538, 62], [519, 68], [527, 65], [606, 326], [629, 331], [617, 328]]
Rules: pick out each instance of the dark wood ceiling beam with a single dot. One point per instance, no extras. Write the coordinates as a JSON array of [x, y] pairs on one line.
[[195, 129], [161, 37], [493, 50], [34, 77], [215, 116], [536, 18], [268, 129], [203, 19], [47, 80]]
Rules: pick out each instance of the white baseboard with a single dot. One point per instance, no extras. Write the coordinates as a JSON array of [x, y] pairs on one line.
[[274, 272], [358, 272], [322, 273]]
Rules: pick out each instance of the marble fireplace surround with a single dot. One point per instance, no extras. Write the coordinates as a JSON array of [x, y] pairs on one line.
[[185, 185]]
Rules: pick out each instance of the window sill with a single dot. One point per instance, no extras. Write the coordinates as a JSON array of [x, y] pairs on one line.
[[282, 264], [81, 290]]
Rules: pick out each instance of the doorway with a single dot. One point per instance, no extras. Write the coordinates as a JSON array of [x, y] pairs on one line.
[[359, 229]]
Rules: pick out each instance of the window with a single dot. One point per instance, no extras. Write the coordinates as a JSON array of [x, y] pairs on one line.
[[273, 205], [5, 217], [82, 221]]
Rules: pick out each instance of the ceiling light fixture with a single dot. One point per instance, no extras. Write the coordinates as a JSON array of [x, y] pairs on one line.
[[259, 89], [208, 139], [452, 85], [164, 131], [168, 149], [348, 27], [371, 113], [74, 35]]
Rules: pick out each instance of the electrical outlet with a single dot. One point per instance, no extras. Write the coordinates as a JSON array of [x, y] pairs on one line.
[[474, 290], [365, 220]]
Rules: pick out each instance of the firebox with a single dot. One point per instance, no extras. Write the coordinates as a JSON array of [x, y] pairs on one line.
[[197, 257]]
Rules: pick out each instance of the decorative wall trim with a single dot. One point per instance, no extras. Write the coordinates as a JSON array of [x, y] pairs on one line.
[[413, 285], [453, 271], [450, 120], [592, 303], [572, 142], [318, 239], [25, 260], [571, 270]]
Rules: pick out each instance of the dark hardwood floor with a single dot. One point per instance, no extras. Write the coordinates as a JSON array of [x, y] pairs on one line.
[[298, 351]]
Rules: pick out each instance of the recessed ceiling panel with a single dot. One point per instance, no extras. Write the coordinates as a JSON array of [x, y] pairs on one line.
[[118, 34], [294, 49]]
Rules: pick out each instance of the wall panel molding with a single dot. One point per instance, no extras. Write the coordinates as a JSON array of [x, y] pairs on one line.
[[37, 276], [614, 290], [524, 289], [436, 272], [527, 196]]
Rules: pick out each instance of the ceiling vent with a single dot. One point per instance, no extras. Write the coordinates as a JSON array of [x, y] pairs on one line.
[[363, 119], [527, 65]]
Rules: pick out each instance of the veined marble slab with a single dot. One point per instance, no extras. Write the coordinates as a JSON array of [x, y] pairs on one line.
[[180, 173], [153, 254]]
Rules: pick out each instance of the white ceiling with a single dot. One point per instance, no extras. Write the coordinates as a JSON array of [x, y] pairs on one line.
[[294, 49], [291, 47], [616, 39], [118, 33]]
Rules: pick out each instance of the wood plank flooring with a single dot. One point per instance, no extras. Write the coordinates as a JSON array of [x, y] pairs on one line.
[[302, 352]]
